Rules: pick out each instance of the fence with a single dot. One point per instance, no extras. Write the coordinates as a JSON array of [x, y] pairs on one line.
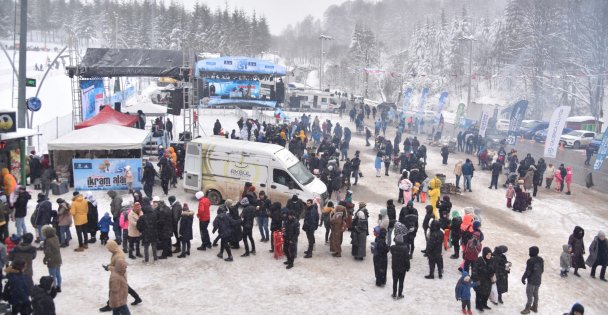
[[51, 130]]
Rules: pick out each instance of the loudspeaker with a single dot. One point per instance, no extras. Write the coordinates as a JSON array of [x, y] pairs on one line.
[[117, 106], [185, 136], [280, 91], [175, 103]]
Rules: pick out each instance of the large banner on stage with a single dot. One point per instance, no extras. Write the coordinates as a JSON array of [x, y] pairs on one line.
[[554, 132], [91, 96], [226, 88], [517, 115], [105, 174]]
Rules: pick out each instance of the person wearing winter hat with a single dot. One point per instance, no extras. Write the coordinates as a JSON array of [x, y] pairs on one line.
[[43, 295], [433, 250], [482, 272], [360, 231], [204, 217], [535, 267], [176, 212], [27, 253], [577, 309], [20, 285], [598, 255]]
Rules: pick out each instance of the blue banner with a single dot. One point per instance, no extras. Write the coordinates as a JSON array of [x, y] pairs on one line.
[[602, 152], [91, 96], [105, 174], [423, 95], [517, 115], [442, 100], [407, 95]]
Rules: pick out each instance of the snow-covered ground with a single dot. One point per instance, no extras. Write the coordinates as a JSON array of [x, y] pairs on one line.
[[325, 284]]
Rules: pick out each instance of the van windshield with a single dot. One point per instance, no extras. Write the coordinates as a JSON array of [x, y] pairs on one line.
[[301, 173]]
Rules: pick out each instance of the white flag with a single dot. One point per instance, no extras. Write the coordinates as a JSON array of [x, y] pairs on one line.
[[554, 132]]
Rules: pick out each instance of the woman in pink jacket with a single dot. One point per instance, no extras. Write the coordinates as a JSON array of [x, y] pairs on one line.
[[568, 179], [558, 180]]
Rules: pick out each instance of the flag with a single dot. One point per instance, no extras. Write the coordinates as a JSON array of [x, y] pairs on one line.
[[459, 114], [554, 132], [407, 95], [602, 152], [423, 94], [442, 100], [483, 123], [517, 115]]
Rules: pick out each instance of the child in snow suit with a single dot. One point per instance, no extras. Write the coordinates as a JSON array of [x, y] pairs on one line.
[[510, 194], [185, 230], [104, 227], [380, 258], [12, 242], [463, 292], [123, 222], [564, 261]]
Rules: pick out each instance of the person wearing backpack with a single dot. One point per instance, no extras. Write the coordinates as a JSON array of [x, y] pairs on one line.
[[433, 251], [400, 264], [472, 246], [535, 266], [483, 273], [408, 216], [380, 251]]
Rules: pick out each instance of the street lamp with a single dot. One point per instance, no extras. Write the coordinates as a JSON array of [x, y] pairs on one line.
[[470, 38], [323, 38]]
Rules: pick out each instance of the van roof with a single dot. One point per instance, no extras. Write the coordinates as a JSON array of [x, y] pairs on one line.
[[240, 145]]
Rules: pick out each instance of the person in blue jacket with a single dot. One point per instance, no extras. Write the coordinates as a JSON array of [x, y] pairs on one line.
[[104, 227], [463, 292]]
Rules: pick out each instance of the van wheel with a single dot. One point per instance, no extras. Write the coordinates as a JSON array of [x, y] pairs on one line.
[[214, 196], [577, 145]]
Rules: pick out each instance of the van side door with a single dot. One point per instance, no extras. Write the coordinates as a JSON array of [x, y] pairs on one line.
[[283, 186]]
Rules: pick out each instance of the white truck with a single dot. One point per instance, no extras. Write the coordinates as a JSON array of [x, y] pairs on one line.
[[220, 167]]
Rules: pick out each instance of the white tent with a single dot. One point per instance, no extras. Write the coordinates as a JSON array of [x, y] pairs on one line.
[[101, 137]]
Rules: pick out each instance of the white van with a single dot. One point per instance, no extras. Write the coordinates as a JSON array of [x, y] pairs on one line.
[[219, 167]]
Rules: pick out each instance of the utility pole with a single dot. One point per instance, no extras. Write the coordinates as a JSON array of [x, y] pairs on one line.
[[470, 69], [21, 108], [323, 38]]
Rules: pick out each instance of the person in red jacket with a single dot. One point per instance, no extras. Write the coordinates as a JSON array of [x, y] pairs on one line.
[[204, 217]]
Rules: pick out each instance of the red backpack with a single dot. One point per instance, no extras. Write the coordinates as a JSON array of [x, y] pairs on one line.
[[472, 248]]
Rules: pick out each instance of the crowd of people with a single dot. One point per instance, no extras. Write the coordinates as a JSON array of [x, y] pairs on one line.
[[142, 220]]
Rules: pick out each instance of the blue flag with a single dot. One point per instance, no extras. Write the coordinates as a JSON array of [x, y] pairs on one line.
[[407, 95], [602, 152], [517, 115], [442, 99], [423, 95]]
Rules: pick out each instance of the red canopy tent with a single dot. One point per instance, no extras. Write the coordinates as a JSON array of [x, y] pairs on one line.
[[109, 116]]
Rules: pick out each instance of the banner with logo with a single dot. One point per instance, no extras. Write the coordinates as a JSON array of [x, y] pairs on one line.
[[517, 115], [407, 95], [459, 114], [483, 123], [602, 152], [554, 132], [423, 94], [92, 97], [442, 100], [105, 174]]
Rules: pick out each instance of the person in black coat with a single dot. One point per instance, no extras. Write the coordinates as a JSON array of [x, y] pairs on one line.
[[276, 222], [165, 227], [290, 238], [92, 218], [381, 258], [445, 152], [496, 169], [392, 219], [400, 264], [19, 287], [224, 224], [43, 211], [408, 216], [236, 229], [433, 250], [296, 205], [43, 295], [427, 218], [185, 230], [311, 217], [535, 266], [176, 212], [217, 127], [482, 273], [148, 178], [502, 267], [166, 172], [147, 224], [247, 216]]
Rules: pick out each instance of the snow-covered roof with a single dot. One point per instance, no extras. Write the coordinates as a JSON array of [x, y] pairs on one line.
[[20, 133], [578, 119], [101, 137]]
